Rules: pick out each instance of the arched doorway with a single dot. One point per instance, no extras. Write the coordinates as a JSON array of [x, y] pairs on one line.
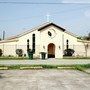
[[51, 50]]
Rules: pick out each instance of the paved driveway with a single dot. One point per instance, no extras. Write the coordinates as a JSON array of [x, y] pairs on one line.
[[44, 80]]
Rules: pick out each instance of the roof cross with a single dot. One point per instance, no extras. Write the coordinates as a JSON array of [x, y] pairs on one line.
[[48, 17]]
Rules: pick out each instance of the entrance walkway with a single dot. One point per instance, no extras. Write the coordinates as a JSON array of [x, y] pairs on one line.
[[48, 62]]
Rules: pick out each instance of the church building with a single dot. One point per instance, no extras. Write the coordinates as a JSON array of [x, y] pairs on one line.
[[49, 38]]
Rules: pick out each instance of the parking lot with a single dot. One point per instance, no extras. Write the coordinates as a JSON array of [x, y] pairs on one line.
[[47, 79]]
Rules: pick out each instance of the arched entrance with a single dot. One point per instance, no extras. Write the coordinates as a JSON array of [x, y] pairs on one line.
[[51, 50]]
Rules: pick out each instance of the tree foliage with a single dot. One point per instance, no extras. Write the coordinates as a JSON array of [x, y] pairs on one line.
[[1, 52], [84, 37]]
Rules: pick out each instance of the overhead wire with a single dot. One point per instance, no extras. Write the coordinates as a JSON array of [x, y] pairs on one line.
[[50, 3], [54, 13]]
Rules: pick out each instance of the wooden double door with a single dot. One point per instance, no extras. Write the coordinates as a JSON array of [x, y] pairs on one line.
[[51, 50]]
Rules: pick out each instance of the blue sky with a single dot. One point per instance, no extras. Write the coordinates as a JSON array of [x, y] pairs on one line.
[[73, 15]]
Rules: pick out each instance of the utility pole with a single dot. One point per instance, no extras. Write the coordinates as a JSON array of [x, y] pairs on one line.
[[3, 35]]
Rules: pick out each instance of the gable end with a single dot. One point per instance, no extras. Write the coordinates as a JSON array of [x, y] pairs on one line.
[[51, 24]]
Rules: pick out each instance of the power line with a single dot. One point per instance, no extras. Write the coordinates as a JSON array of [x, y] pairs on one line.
[[53, 13], [53, 3], [71, 10]]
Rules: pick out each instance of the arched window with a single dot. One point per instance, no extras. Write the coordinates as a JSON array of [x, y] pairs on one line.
[[27, 44], [33, 42]]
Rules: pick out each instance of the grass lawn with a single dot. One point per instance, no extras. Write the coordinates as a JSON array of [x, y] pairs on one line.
[[26, 58], [13, 58], [82, 67], [66, 57]]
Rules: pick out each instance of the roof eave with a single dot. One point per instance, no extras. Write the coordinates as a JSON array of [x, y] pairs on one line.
[[5, 41], [51, 24]]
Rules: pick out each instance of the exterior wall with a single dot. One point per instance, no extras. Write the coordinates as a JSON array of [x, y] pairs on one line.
[[8, 48], [88, 50], [58, 38], [42, 41], [45, 40], [23, 43], [78, 47]]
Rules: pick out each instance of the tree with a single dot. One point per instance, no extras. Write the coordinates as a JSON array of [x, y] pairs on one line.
[[87, 37], [1, 52]]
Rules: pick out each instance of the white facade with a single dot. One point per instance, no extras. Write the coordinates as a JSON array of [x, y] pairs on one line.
[[49, 38]]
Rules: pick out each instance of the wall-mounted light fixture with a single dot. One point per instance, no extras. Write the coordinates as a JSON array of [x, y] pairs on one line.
[[59, 47], [43, 47]]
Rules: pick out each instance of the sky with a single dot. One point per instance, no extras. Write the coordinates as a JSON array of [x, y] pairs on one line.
[[73, 15]]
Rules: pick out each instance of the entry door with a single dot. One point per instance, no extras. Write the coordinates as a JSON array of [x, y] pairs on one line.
[[51, 50]]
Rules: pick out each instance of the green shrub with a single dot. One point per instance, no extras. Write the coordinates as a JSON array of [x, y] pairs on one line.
[[19, 52], [1, 52], [68, 52]]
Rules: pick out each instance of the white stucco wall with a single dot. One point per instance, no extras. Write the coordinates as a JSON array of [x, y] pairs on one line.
[[78, 47], [45, 40], [8, 48], [23, 42], [58, 38]]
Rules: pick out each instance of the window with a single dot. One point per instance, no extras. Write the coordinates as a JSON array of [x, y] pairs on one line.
[[33, 43], [49, 33], [67, 45], [67, 41], [27, 44]]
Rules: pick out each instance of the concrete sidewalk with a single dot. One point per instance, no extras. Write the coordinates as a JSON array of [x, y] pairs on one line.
[[44, 62]]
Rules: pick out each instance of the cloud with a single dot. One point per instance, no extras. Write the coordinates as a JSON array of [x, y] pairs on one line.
[[75, 1], [87, 13]]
